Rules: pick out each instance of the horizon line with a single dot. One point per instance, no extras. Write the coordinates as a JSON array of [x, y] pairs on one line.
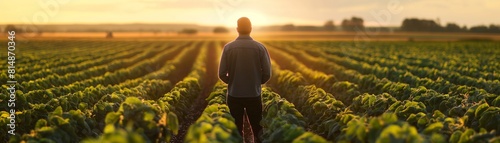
[[182, 23]]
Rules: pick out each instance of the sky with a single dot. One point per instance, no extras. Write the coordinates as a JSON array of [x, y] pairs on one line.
[[261, 12]]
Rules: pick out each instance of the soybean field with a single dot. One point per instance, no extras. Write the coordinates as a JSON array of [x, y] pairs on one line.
[[122, 90]]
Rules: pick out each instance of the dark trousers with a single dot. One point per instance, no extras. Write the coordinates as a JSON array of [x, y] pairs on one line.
[[253, 107]]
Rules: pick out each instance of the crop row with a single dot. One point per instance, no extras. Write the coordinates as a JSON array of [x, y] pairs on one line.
[[287, 61], [171, 107], [392, 74], [282, 122], [372, 84], [332, 117], [468, 59], [78, 65], [54, 80], [492, 86], [47, 55], [86, 95], [136, 70], [399, 74], [144, 105], [215, 123]]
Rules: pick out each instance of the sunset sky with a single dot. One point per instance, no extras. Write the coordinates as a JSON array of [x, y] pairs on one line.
[[261, 12]]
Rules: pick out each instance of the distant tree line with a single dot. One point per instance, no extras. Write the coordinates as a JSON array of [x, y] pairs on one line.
[[425, 25], [220, 29], [352, 24], [18, 30], [11, 28], [188, 31], [409, 24], [327, 26]]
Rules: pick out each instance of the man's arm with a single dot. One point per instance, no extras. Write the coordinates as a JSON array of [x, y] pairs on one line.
[[266, 65], [223, 71]]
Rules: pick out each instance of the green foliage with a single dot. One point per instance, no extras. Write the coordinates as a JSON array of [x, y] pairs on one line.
[[341, 91], [406, 108], [435, 127], [386, 128], [282, 122], [60, 127], [372, 105], [118, 135], [309, 137], [496, 102], [215, 123], [345, 91], [141, 118]]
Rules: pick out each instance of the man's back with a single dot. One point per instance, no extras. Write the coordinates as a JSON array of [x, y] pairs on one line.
[[245, 65]]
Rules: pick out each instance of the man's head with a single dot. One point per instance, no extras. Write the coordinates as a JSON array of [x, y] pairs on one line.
[[244, 26]]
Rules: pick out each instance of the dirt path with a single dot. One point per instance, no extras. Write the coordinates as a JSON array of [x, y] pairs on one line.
[[247, 130], [184, 68], [199, 104]]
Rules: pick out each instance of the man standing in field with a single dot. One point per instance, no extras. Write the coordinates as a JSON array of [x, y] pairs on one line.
[[244, 66]]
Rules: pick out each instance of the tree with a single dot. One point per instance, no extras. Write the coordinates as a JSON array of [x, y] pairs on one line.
[[479, 29], [485, 29], [417, 25], [464, 28], [288, 27], [188, 31], [494, 28], [220, 29], [109, 34], [11, 28], [329, 25], [452, 27], [307, 28], [353, 24]]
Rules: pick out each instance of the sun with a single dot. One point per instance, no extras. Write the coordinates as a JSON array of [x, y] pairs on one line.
[[257, 18]]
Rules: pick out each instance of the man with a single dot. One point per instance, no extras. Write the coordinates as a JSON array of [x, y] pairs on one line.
[[244, 66]]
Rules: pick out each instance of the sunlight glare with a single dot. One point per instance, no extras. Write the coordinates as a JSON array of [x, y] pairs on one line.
[[257, 18]]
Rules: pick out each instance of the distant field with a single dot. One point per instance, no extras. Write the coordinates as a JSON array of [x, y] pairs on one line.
[[324, 88], [335, 36]]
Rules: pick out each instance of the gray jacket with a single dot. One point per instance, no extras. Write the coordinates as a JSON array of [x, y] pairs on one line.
[[244, 66]]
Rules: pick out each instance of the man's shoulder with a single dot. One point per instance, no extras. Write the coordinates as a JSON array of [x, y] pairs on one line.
[[228, 45], [233, 43], [260, 44], [244, 43]]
